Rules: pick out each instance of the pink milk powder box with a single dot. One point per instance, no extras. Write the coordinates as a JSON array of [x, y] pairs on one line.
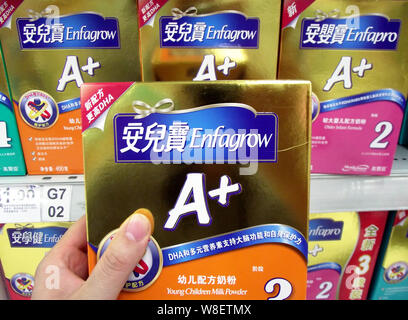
[[355, 55]]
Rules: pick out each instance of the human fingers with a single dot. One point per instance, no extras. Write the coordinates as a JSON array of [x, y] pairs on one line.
[[118, 261]]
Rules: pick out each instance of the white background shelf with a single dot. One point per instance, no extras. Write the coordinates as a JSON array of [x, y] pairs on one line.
[[329, 193], [334, 193]]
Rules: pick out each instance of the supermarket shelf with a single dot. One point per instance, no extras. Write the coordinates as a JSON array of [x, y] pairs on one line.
[[329, 193], [362, 193]]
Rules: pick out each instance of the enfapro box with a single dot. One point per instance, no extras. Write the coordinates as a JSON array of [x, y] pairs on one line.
[[355, 55], [343, 249], [50, 49], [209, 40], [224, 168]]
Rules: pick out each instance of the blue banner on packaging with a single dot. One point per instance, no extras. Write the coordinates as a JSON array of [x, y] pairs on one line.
[[69, 105], [325, 229], [222, 133], [218, 30], [6, 101], [368, 32], [323, 266], [78, 31], [35, 237], [270, 233], [373, 96]]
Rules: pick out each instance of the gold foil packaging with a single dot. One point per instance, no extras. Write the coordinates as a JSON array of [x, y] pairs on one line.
[[234, 154], [50, 49], [209, 40]]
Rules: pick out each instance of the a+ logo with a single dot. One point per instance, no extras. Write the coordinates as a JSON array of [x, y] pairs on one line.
[[89, 68], [228, 64], [363, 67], [225, 190]]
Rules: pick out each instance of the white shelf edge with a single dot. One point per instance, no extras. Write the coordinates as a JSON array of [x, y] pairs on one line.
[[336, 193]]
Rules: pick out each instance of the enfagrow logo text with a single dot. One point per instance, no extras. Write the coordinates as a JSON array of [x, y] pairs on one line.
[[222, 134], [84, 30], [371, 32], [218, 30]]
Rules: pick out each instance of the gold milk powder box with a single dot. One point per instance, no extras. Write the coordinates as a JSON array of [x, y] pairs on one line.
[[11, 154], [208, 40], [50, 49], [224, 168]]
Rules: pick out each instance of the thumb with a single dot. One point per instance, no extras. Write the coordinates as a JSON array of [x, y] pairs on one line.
[[120, 258]]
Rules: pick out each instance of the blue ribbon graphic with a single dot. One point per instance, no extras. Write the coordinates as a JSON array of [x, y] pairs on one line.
[[326, 265], [6, 101], [69, 105], [270, 233], [372, 96]]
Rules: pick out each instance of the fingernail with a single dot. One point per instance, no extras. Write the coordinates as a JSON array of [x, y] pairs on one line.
[[138, 227]]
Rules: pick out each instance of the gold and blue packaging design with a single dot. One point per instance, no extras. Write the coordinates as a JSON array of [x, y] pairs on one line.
[[224, 168], [208, 40], [355, 55], [390, 280], [50, 49], [11, 154], [343, 249]]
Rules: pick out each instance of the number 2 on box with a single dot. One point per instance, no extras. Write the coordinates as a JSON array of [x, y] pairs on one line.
[[384, 128], [282, 287]]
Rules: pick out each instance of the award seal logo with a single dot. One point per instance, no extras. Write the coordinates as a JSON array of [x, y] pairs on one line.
[[23, 284], [396, 272], [146, 271], [38, 109]]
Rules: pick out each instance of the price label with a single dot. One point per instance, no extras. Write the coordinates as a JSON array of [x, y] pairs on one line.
[[20, 204], [56, 203]]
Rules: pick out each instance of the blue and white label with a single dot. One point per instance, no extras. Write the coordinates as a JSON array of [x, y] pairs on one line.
[[78, 31], [222, 133], [367, 97], [69, 105], [324, 266], [35, 237], [262, 234], [325, 229], [374, 32], [227, 29]]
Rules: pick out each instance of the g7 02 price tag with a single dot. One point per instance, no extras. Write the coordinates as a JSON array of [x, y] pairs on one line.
[[56, 203], [20, 204]]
